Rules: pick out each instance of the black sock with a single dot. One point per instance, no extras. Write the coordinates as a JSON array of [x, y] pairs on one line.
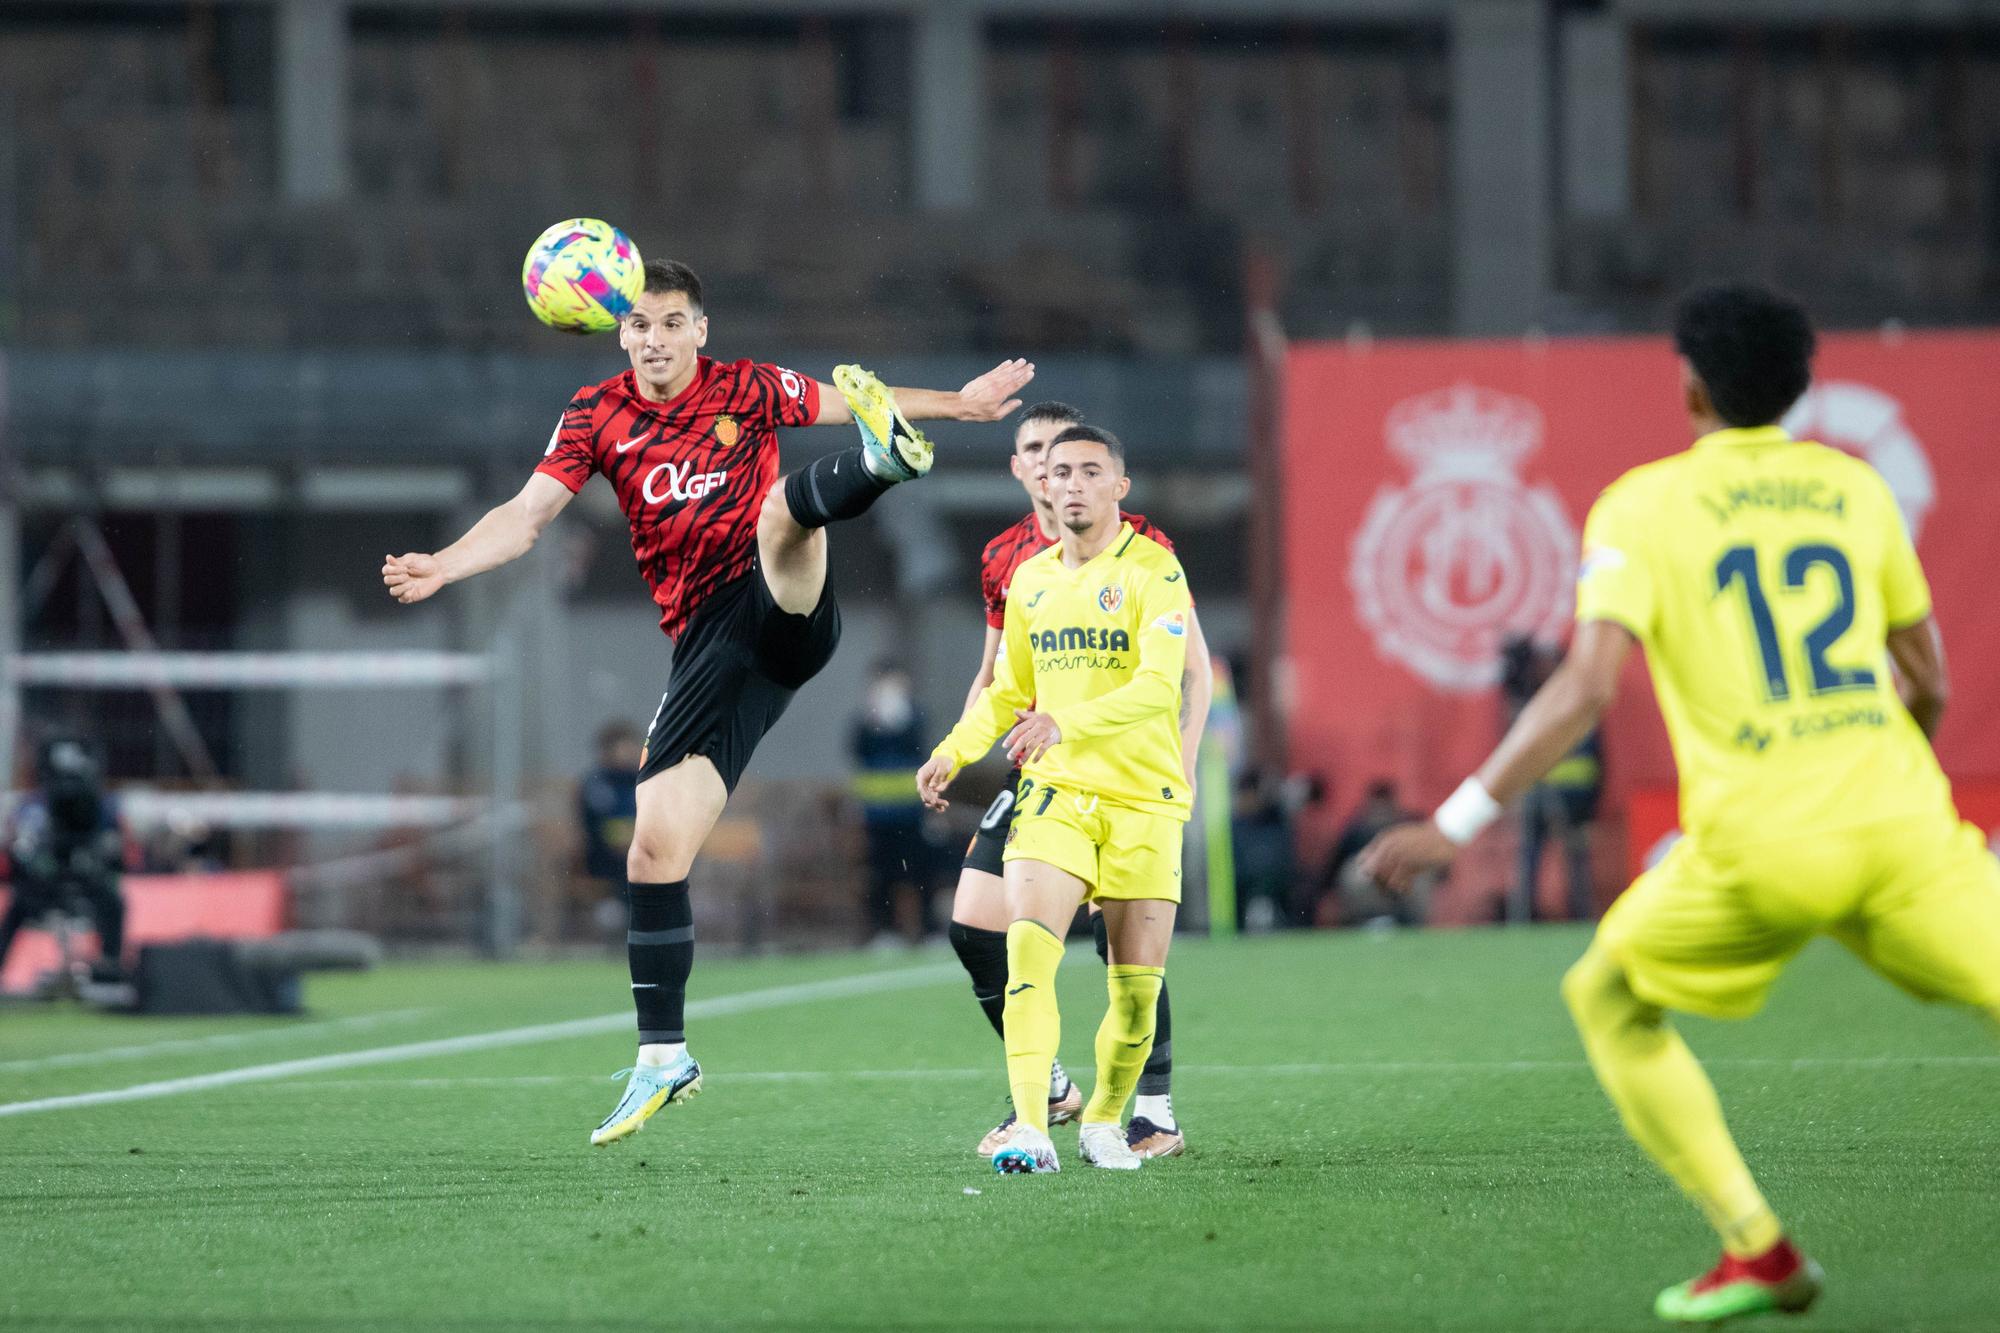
[[984, 953], [659, 945], [1157, 1078], [832, 488]]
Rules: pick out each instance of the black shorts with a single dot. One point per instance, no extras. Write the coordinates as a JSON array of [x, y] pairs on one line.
[[736, 666], [987, 845]]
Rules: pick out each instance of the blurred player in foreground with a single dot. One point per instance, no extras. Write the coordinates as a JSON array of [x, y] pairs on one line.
[[736, 560], [1773, 585], [1088, 690], [979, 916]]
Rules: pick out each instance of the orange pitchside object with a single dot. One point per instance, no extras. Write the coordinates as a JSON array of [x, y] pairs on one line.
[[238, 906]]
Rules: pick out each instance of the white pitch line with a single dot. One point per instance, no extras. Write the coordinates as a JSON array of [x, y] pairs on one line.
[[720, 1006], [1351, 1067], [996, 1073], [220, 1041]]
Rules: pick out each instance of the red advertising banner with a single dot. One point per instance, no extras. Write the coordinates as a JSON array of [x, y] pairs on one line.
[[1435, 493], [245, 904]]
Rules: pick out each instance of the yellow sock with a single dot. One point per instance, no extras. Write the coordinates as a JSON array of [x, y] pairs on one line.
[[1124, 1039], [1033, 1027], [1668, 1104]]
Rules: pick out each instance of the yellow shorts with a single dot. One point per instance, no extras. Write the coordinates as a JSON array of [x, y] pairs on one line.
[[1918, 899], [1119, 852]]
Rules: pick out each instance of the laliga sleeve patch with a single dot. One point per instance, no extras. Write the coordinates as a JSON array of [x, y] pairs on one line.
[[1600, 560], [1174, 623]]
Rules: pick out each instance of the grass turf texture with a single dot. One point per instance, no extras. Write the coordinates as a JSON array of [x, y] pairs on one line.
[[1387, 1133]]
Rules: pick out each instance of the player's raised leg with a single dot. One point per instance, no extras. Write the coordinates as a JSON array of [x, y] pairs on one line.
[[677, 809], [845, 484], [1665, 1100], [1043, 900]]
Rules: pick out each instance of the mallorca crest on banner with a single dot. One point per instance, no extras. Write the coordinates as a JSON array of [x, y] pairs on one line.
[[1467, 555]]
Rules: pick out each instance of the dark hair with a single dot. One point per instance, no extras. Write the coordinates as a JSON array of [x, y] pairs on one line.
[[1093, 434], [667, 275], [1752, 348], [1049, 411]]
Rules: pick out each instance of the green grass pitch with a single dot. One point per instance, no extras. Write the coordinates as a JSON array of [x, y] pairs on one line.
[[1386, 1133]]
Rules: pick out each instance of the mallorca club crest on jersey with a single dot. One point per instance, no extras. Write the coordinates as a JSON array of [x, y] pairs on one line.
[[727, 431], [1868, 423], [1110, 598], [1467, 555]]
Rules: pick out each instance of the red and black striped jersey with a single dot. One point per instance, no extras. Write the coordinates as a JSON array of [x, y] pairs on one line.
[[1004, 554], [690, 474]]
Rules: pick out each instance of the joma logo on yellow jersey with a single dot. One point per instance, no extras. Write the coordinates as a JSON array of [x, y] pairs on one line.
[[1071, 638]]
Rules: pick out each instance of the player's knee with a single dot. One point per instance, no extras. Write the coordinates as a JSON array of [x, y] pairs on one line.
[[775, 520], [1587, 985], [1135, 997], [654, 859]]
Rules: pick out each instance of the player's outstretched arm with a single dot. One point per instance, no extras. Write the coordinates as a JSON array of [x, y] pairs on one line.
[[984, 676], [991, 709], [1561, 714], [991, 397], [505, 533]]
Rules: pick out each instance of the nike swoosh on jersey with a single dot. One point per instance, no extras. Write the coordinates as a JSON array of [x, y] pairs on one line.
[[636, 439]]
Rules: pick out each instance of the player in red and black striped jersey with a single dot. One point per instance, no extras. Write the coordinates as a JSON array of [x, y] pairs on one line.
[[979, 912], [736, 560]]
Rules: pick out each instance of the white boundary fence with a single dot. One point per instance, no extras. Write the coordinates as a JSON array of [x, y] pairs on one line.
[[497, 820]]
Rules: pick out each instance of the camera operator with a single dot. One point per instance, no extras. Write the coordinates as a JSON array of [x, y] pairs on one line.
[[65, 846]]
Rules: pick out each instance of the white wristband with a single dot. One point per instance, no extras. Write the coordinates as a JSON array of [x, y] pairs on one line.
[[1466, 812]]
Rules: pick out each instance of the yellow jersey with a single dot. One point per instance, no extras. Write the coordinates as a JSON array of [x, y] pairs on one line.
[[1763, 575], [1100, 648]]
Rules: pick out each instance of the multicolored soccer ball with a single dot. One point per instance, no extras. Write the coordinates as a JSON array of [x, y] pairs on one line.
[[581, 275]]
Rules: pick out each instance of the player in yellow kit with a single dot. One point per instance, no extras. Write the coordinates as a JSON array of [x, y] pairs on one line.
[[1773, 586], [1087, 689]]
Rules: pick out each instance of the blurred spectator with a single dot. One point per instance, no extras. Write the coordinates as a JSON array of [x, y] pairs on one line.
[[1525, 666], [1564, 804], [1262, 828], [889, 744], [607, 805], [1342, 895], [65, 848]]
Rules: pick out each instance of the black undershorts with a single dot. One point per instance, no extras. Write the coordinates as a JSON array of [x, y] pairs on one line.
[[736, 666], [990, 842]]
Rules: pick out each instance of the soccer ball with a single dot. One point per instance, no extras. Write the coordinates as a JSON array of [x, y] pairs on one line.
[[581, 275]]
